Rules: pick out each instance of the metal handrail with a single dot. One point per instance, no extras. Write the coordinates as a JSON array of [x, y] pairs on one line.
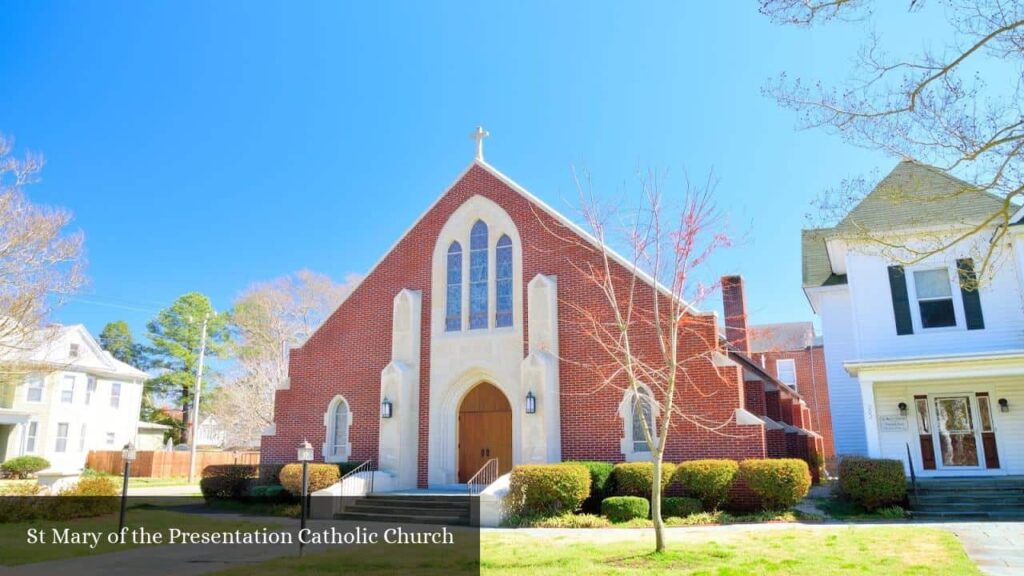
[[913, 476], [365, 466], [483, 478]]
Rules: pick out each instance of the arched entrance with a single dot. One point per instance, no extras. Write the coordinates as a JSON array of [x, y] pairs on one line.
[[485, 430]]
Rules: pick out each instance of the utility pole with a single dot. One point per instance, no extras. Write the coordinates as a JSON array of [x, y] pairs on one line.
[[195, 402]]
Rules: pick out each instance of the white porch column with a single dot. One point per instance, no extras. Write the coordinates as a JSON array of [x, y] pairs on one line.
[[867, 395]]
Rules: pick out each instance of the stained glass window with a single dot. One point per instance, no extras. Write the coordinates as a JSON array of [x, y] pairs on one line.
[[478, 276], [453, 309], [503, 281], [340, 428]]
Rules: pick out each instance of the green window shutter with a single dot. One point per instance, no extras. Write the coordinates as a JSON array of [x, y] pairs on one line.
[[969, 292], [900, 301]]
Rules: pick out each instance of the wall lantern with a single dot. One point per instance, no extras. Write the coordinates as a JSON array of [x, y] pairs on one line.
[[386, 408], [1004, 405], [305, 452], [903, 408], [531, 403]]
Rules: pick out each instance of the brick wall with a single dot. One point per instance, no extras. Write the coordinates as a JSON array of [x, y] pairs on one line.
[[812, 383]]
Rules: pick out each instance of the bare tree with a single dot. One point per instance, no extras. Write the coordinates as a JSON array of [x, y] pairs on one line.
[[267, 320], [40, 262], [645, 327], [959, 108]]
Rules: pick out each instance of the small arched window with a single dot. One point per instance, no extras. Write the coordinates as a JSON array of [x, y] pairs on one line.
[[642, 416], [503, 282], [339, 432], [478, 276], [453, 306]]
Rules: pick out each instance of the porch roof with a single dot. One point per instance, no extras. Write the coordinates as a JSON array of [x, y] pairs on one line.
[[13, 416], [940, 367]]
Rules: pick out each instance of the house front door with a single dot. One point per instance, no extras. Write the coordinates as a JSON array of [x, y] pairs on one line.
[[956, 432]]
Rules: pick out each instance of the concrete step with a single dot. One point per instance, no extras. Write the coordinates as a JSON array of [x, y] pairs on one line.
[[414, 501], [364, 508], [967, 515], [401, 519]]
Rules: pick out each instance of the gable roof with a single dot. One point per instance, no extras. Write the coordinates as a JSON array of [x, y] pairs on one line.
[[916, 195], [534, 200], [912, 195], [50, 347]]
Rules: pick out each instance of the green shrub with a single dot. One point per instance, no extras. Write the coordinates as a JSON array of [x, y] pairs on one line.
[[891, 513], [570, 520], [92, 486], [637, 478], [227, 481], [778, 483], [872, 483], [320, 476], [24, 466], [600, 484], [625, 508], [680, 506], [346, 467], [269, 474], [707, 480], [270, 493], [547, 489]]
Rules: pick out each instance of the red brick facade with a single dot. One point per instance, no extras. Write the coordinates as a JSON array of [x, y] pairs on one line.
[[346, 355], [812, 383]]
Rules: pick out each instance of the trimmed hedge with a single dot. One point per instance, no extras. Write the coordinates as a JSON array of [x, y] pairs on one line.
[[320, 476], [88, 498], [24, 466], [872, 483], [637, 478], [548, 489], [600, 484], [707, 480], [625, 508], [680, 506], [778, 483], [227, 481]]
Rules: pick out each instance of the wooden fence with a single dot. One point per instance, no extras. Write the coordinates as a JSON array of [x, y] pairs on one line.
[[150, 464]]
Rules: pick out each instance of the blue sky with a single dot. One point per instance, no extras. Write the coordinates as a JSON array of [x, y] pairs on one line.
[[206, 145]]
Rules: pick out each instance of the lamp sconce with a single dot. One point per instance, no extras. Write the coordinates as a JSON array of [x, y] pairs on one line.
[[1004, 405], [903, 408], [531, 403], [386, 408], [305, 452]]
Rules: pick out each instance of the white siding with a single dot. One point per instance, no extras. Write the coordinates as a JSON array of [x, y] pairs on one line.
[[1010, 426], [843, 389]]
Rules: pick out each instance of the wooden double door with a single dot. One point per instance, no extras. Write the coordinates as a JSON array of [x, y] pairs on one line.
[[485, 430]]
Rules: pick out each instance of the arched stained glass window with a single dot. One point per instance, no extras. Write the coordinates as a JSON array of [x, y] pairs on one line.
[[453, 305], [478, 276], [642, 416], [503, 282], [340, 432]]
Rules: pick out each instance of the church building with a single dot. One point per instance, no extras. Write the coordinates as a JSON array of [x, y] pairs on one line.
[[459, 348]]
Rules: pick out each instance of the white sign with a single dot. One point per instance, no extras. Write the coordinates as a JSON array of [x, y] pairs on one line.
[[893, 423]]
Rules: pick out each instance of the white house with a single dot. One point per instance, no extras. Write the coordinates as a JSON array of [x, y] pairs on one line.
[[65, 396], [924, 362]]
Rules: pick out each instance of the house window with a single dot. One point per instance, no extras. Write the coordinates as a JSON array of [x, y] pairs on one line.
[[110, 438], [81, 440], [62, 438], [503, 282], [934, 298], [478, 276], [73, 350], [453, 306], [34, 391], [90, 389], [115, 394], [338, 419], [30, 437], [786, 370], [642, 415], [67, 390]]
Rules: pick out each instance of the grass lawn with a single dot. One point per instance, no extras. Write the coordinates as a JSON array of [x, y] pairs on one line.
[[153, 482], [14, 550], [889, 551]]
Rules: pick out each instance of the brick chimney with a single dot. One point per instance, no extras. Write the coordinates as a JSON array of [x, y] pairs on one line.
[[734, 302]]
